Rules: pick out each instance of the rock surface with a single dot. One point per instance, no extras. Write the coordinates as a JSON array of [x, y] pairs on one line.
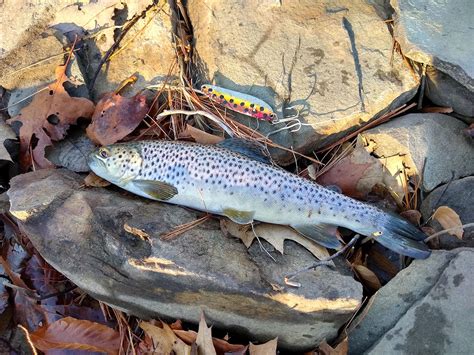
[[336, 68], [459, 195], [201, 269], [435, 32], [431, 143], [443, 90], [425, 309], [30, 52]]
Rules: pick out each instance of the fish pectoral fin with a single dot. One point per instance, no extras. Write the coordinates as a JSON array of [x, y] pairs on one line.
[[240, 217], [250, 149], [157, 189], [324, 234]]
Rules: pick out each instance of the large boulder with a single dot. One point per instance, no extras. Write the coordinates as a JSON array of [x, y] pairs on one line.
[[81, 233], [442, 45], [458, 195], [426, 309], [432, 145], [334, 62]]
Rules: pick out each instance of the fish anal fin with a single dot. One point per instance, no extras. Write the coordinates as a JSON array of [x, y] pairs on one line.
[[240, 217], [324, 234], [159, 190], [250, 149]]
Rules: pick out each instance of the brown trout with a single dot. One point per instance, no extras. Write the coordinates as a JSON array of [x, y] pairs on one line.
[[232, 179]]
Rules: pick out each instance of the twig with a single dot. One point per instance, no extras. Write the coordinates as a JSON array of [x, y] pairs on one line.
[[374, 123], [324, 261], [116, 44], [447, 231], [184, 228]]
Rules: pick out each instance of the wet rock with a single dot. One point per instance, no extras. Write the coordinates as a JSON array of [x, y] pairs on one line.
[[459, 195], [336, 68], [201, 269], [435, 33], [423, 310], [430, 143], [443, 90]]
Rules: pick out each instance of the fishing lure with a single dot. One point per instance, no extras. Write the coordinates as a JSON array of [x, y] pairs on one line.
[[236, 101]]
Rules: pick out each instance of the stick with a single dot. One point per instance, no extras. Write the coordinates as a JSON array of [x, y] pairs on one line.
[[324, 261], [447, 231]]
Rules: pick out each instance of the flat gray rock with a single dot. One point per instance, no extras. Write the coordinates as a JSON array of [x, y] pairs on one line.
[[425, 309], [438, 33], [434, 144], [443, 90], [81, 233], [331, 61], [459, 195]]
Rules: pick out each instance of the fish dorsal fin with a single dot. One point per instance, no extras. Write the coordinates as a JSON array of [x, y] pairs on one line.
[[245, 147], [324, 234], [240, 217], [159, 190]]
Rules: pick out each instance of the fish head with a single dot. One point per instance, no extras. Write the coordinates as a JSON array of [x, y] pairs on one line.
[[117, 163]]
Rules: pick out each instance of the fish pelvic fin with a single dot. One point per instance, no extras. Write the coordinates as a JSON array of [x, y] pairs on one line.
[[159, 190], [239, 217], [323, 234], [402, 237]]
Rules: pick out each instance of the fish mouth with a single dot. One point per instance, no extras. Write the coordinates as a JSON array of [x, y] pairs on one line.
[[95, 163]]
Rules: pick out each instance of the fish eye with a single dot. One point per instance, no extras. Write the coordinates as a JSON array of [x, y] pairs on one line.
[[104, 153]]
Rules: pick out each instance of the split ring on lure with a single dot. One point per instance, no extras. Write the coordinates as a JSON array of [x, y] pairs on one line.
[[239, 102]]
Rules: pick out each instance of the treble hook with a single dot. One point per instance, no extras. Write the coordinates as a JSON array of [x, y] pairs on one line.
[[293, 126]]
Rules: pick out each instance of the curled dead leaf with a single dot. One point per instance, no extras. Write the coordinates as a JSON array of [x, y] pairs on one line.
[[450, 220], [341, 349], [47, 118], [274, 234], [204, 342], [92, 180], [164, 340], [115, 117], [367, 277], [413, 216], [74, 334], [268, 348]]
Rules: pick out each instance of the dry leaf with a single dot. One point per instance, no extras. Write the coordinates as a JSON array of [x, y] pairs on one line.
[[200, 136], [74, 334], [164, 339], [92, 180], [413, 216], [367, 276], [449, 219], [437, 109], [268, 348], [115, 117], [47, 118], [222, 346], [6, 132], [138, 232], [358, 172], [274, 234], [204, 339], [341, 349]]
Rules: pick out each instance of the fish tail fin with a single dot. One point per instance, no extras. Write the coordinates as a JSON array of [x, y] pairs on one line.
[[402, 237]]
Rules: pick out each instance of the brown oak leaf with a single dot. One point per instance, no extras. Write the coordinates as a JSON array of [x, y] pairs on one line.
[[115, 117], [47, 118]]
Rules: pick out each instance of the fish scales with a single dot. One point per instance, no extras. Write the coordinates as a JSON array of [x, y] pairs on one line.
[[215, 179]]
